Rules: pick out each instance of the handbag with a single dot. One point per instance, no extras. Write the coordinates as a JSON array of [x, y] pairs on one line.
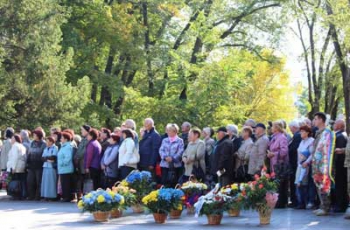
[[171, 175], [197, 170], [282, 169], [88, 185], [14, 188], [242, 173]]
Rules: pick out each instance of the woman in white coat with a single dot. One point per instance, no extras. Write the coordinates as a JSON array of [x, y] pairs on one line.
[[128, 154], [16, 163]]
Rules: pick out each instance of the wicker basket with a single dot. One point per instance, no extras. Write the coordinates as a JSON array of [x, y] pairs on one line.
[[175, 214], [101, 216], [214, 219], [265, 216], [116, 213], [234, 212], [160, 218]]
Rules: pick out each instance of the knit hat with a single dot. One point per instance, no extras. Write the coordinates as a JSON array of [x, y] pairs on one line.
[[86, 127], [306, 153]]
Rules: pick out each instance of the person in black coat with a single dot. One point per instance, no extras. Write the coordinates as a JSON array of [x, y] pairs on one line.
[[222, 158], [232, 131], [340, 196], [293, 146]]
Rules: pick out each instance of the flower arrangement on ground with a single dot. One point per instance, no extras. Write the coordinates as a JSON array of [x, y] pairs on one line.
[[192, 190], [238, 200], [212, 205], [100, 203], [141, 183], [160, 202], [127, 193], [262, 195]]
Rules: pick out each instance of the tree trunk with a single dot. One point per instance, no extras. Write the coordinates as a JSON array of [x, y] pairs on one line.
[[106, 97]]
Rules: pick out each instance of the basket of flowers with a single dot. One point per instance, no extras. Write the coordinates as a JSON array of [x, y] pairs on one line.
[[160, 202], [262, 195], [100, 203], [212, 205], [192, 190], [129, 199], [238, 199], [141, 183]]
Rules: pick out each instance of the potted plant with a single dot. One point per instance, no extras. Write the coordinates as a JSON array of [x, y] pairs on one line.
[[100, 203], [238, 198], [262, 195], [213, 206], [177, 204], [129, 199], [160, 202], [141, 183], [192, 190]]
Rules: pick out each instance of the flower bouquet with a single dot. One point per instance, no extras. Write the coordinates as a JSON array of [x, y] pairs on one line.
[[192, 190], [212, 205], [160, 202], [238, 199], [262, 195], [100, 203], [141, 183]]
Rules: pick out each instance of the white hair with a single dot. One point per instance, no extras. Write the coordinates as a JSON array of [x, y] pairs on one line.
[[232, 128], [130, 123], [295, 124], [186, 124], [173, 127], [250, 122], [150, 120], [207, 130]]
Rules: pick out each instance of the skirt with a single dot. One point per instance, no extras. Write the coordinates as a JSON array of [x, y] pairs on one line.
[[49, 183]]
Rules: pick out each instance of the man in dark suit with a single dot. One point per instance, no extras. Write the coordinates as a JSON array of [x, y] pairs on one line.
[[222, 158], [293, 159], [340, 195]]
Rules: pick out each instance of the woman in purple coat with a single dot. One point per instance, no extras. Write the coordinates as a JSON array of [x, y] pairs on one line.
[[278, 155]]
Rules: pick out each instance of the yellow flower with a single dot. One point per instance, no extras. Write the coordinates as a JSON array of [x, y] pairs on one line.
[[81, 204], [179, 207], [234, 186], [112, 194], [89, 195], [122, 201], [124, 183], [100, 199]]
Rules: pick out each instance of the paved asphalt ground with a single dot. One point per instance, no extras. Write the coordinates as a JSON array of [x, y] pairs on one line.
[[55, 215]]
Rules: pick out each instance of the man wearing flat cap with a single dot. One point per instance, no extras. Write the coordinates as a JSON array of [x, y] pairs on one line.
[[258, 151], [222, 158]]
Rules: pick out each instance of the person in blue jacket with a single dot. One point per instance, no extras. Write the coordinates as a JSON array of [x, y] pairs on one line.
[[149, 147], [65, 166]]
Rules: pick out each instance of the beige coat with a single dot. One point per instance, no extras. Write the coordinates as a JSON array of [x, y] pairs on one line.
[[243, 153], [194, 150], [17, 158], [258, 154]]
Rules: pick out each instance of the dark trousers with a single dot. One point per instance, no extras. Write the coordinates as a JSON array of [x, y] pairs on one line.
[[302, 195], [283, 194], [109, 182], [165, 182], [341, 185], [125, 171], [66, 184], [22, 177], [292, 188], [34, 178], [225, 180], [80, 182], [95, 175], [312, 195]]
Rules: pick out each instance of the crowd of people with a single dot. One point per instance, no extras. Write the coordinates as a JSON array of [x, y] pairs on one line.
[[311, 165]]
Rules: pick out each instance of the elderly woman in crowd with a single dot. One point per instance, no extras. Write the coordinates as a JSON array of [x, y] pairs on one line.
[[242, 155], [278, 155], [16, 163], [128, 154], [207, 134], [35, 165], [65, 166], [25, 139], [92, 158], [109, 162], [194, 155], [170, 153], [49, 179]]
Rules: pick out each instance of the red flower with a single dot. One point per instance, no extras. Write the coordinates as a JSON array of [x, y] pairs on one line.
[[264, 169], [267, 176], [261, 186], [254, 183], [256, 177], [273, 175]]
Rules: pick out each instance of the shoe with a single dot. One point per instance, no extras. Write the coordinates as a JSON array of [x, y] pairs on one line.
[[300, 207], [310, 206], [321, 212], [315, 211], [347, 214]]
